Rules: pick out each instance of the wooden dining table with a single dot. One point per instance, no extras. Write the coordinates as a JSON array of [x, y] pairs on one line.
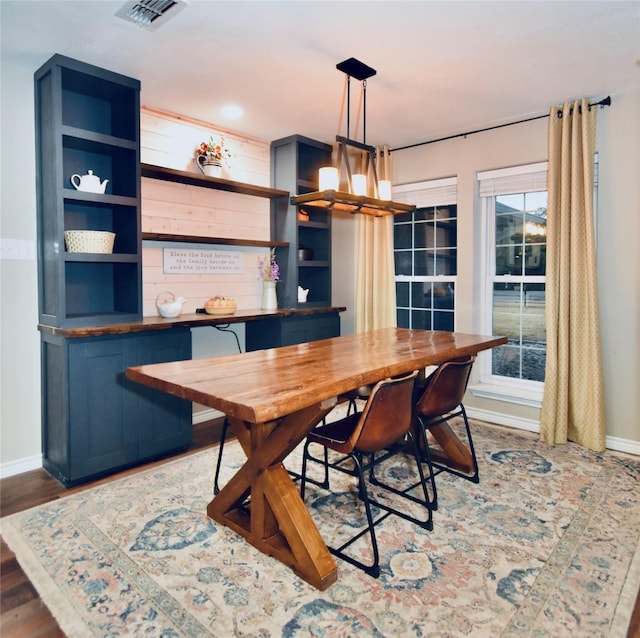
[[273, 398]]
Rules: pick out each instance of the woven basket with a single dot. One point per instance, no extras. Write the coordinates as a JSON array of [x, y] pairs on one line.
[[89, 241]]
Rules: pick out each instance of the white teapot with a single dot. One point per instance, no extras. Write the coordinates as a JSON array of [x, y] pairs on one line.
[[168, 305], [89, 183], [302, 294]]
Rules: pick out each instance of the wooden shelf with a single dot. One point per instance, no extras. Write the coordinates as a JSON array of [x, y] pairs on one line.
[[195, 239], [193, 179]]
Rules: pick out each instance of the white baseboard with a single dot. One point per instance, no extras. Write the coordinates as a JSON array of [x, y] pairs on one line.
[[20, 465], [623, 445], [206, 415], [531, 425]]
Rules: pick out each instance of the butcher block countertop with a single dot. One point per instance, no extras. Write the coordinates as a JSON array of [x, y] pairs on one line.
[[185, 320]]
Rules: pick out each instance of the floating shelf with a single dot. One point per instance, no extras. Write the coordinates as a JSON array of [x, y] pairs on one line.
[[196, 239], [217, 183]]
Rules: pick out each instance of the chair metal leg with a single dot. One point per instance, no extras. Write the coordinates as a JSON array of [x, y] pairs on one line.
[[373, 569], [304, 479], [359, 471], [474, 477], [223, 436], [404, 493], [426, 458]]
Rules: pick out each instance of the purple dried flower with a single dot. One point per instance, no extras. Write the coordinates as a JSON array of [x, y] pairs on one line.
[[268, 268]]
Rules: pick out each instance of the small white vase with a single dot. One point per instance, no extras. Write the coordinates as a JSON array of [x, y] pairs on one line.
[[269, 298], [212, 170], [209, 167]]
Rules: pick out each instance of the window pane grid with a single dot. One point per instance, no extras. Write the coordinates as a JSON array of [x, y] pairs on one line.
[[425, 252], [518, 286]]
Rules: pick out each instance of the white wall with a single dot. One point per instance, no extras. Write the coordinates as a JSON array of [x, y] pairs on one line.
[[19, 337]]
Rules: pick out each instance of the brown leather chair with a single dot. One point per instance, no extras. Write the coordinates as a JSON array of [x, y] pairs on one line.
[[440, 400], [383, 428], [359, 394]]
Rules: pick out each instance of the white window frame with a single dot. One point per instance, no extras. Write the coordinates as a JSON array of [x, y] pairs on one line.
[[528, 178], [430, 194]]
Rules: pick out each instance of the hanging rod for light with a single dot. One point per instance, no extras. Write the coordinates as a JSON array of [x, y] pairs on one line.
[[331, 198]]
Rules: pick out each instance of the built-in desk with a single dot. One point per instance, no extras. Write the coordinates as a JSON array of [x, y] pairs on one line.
[[196, 320], [95, 421]]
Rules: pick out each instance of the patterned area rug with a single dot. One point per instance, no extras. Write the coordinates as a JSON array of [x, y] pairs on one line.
[[545, 545]]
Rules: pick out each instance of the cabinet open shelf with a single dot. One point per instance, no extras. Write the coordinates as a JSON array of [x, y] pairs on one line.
[[104, 258], [98, 198], [313, 263], [88, 137], [310, 224]]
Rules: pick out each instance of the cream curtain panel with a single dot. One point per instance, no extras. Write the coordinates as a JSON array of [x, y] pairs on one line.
[[375, 276], [573, 402]]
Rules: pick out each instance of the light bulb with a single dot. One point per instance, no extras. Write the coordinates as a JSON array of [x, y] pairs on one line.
[[328, 179], [384, 189], [359, 184]]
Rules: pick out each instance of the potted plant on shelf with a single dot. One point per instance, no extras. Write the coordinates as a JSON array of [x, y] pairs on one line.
[[210, 155]]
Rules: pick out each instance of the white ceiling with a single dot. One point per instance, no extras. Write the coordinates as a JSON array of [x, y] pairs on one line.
[[442, 67]]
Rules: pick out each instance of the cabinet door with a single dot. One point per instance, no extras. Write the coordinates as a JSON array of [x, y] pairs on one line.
[[303, 329], [103, 434], [164, 421], [287, 331]]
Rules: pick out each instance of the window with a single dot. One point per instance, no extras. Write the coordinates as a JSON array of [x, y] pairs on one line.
[[425, 253], [518, 295], [515, 217]]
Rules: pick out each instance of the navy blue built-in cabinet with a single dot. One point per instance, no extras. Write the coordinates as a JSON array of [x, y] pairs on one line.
[[295, 161], [93, 420]]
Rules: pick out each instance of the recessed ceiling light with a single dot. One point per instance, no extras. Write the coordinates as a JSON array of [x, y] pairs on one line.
[[232, 111]]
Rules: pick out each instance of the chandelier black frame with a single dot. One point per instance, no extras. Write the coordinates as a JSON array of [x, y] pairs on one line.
[[335, 199]]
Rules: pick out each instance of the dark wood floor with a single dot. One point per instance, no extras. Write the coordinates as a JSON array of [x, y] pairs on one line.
[[22, 612]]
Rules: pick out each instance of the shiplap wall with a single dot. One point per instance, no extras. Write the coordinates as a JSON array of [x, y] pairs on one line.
[[170, 140]]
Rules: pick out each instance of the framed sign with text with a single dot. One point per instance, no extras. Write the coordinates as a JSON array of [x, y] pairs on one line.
[[200, 261]]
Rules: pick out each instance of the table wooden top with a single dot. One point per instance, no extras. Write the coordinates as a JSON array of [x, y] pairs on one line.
[[264, 385]]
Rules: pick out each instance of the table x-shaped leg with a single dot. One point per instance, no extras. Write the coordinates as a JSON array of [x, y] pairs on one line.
[[276, 522]]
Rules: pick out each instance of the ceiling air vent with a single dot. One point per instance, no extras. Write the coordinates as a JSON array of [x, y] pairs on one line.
[[150, 14]]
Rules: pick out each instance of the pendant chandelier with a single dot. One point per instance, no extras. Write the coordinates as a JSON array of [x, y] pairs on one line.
[[365, 194]]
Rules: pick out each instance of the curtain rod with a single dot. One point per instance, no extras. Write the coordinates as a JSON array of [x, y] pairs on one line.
[[602, 103]]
